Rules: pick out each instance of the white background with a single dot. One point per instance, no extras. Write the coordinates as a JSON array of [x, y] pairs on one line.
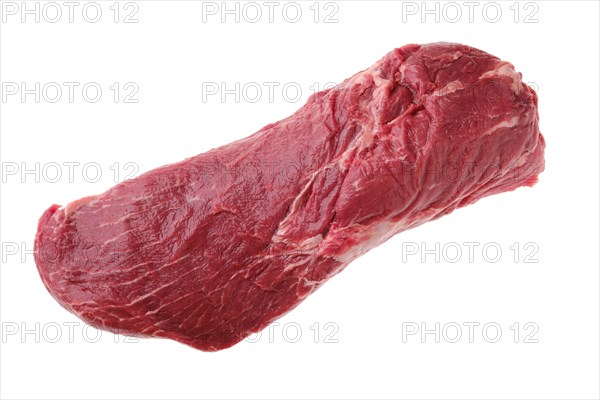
[[171, 54]]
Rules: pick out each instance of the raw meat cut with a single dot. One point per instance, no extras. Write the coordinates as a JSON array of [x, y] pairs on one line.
[[213, 248]]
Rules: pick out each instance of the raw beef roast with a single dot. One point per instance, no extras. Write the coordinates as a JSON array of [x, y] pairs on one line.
[[213, 248]]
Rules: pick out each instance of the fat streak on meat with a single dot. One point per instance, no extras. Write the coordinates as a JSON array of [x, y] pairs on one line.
[[211, 249]]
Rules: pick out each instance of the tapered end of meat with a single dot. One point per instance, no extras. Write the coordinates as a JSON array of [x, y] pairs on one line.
[[47, 252], [61, 255]]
